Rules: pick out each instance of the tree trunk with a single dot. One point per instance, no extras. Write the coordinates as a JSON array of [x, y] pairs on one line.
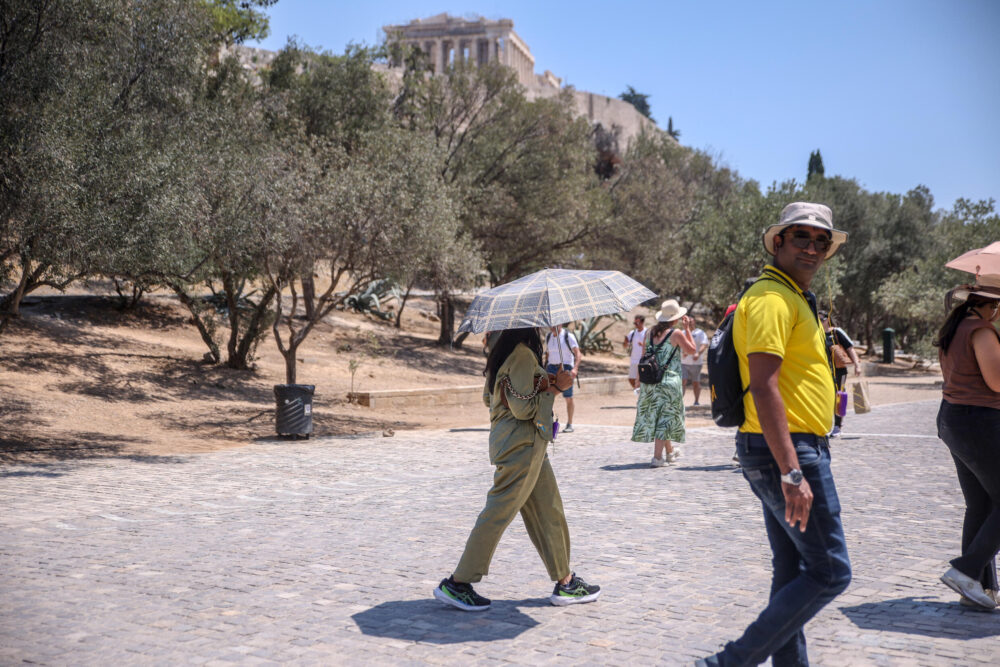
[[309, 295], [446, 312], [402, 304], [10, 305], [214, 356], [289, 355], [241, 359], [233, 306]]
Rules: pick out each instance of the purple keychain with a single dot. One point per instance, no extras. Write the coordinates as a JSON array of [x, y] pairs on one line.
[[555, 427]]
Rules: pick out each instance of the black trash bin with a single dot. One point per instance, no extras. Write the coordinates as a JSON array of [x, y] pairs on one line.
[[888, 345], [294, 410]]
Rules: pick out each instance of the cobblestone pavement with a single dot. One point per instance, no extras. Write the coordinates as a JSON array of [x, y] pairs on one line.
[[326, 552]]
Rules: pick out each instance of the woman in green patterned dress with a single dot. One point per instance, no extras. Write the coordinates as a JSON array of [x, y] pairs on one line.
[[660, 412]]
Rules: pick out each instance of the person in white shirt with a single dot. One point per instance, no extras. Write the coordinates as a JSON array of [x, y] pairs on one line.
[[633, 344], [562, 352], [691, 364]]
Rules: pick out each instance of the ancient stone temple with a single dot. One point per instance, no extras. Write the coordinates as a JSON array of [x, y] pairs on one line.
[[447, 39]]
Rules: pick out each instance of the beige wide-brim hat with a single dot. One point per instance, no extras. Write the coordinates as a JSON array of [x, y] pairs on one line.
[[987, 287], [811, 215], [670, 310]]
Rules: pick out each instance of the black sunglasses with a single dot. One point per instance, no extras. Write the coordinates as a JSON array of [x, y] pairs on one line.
[[802, 240]]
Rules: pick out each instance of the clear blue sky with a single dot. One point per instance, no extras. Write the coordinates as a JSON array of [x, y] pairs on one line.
[[895, 93]]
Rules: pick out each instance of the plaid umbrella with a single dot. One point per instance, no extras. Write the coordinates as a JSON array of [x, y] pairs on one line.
[[551, 297]]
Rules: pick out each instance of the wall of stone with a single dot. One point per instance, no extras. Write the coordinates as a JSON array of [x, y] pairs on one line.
[[610, 112]]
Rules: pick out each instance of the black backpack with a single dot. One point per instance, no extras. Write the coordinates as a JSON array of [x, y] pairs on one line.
[[724, 380], [650, 370]]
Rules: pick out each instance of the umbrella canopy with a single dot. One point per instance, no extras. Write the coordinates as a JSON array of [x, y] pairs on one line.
[[551, 297], [983, 262]]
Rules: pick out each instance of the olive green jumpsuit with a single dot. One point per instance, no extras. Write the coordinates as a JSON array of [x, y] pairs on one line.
[[523, 481]]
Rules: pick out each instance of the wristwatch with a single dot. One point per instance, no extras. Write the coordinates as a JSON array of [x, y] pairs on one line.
[[793, 477]]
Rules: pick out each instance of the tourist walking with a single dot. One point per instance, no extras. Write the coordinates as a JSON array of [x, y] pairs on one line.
[[562, 352], [782, 445], [633, 343], [842, 352], [968, 422], [691, 364], [519, 394], [659, 415]]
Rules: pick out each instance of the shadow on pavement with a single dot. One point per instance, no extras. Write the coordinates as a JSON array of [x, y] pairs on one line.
[[485, 429], [625, 466], [924, 616], [433, 622], [731, 467]]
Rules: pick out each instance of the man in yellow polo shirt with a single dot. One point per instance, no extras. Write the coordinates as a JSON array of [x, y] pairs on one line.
[[782, 446]]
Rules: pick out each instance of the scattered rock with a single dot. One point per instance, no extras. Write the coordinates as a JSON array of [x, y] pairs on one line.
[[388, 433]]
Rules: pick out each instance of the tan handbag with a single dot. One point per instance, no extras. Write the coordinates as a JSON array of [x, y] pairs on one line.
[[862, 404], [840, 357]]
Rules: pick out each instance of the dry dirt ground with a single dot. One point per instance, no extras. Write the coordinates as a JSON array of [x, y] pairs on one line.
[[80, 378]]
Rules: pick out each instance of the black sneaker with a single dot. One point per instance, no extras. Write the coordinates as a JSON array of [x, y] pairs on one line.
[[460, 595], [575, 592]]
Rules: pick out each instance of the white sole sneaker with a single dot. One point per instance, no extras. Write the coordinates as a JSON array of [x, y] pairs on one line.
[[968, 587], [561, 601], [458, 604]]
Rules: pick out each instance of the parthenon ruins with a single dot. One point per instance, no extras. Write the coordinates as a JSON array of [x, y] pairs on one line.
[[446, 39]]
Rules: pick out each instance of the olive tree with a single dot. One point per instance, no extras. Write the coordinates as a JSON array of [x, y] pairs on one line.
[[521, 170], [352, 218], [93, 99]]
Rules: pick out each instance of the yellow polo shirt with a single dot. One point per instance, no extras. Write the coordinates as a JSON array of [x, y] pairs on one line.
[[775, 318]]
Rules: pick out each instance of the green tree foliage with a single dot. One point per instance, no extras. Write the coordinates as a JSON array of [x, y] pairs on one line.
[[816, 168], [886, 233], [671, 130], [639, 100], [131, 147], [914, 297], [220, 246], [93, 93], [366, 199], [236, 21], [522, 172]]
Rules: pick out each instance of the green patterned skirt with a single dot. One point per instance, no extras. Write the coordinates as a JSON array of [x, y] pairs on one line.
[[660, 412]]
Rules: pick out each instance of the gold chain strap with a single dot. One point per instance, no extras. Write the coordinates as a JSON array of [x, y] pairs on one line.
[[506, 385]]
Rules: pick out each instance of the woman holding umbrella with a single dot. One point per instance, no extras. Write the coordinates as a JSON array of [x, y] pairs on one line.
[[969, 424], [519, 394]]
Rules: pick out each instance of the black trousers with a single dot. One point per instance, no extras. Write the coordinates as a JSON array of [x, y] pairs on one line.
[[972, 434]]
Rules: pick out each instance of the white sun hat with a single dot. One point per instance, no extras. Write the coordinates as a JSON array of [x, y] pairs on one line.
[[811, 215]]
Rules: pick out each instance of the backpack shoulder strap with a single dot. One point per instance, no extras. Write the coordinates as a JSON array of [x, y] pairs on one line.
[[676, 347]]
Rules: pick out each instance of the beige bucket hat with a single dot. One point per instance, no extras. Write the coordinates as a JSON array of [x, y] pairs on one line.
[[805, 213], [988, 288], [670, 310]]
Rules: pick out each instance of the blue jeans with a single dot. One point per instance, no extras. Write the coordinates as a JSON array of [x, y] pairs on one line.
[[809, 569]]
